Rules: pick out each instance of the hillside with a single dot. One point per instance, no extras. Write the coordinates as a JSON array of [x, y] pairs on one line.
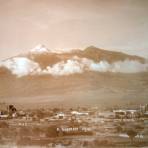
[[89, 77]]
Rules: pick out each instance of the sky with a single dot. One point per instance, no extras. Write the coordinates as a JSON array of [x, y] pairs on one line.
[[120, 25]]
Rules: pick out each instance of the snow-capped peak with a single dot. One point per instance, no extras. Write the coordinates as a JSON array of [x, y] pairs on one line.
[[39, 49]]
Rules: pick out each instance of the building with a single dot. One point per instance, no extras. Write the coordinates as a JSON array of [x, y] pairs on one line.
[[4, 113], [125, 113], [79, 113], [74, 130]]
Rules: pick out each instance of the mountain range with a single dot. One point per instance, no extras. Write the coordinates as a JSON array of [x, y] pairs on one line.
[[79, 77]]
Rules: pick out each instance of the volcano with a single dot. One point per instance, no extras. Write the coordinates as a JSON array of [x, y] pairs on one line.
[[91, 76]]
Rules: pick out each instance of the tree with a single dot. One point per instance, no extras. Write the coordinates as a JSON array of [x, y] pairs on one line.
[[119, 128], [139, 129], [55, 110], [131, 133], [40, 114]]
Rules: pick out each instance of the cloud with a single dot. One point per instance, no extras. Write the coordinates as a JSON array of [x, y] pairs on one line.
[[126, 66], [21, 66], [80, 65]]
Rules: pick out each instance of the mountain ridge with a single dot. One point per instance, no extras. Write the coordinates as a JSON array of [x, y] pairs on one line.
[[90, 77], [41, 60]]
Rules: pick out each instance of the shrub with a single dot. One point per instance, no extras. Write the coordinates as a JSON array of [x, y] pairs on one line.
[[131, 133], [51, 131], [4, 124]]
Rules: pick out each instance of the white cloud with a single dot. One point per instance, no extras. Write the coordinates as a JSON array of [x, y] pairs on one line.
[[23, 66], [80, 65], [126, 66], [64, 68], [20, 66]]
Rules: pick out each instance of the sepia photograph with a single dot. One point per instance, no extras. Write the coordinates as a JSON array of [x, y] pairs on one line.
[[73, 73]]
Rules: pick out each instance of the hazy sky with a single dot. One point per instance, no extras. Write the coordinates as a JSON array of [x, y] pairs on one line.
[[110, 24]]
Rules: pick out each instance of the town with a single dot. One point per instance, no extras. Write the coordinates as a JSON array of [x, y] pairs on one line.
[[71, 127]]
